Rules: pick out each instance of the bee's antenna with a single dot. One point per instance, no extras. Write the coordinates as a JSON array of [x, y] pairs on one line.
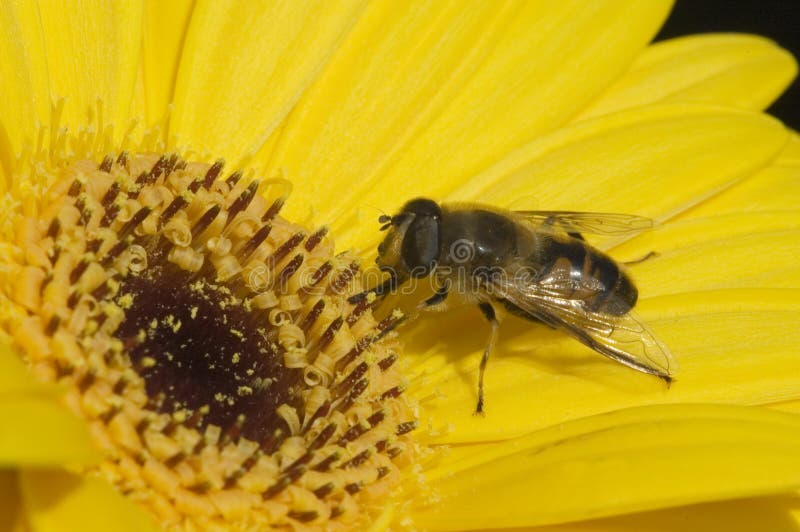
[[384, 218], [383, 213]]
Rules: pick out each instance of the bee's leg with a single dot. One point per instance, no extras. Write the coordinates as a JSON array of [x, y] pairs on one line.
[[381, 290], [650, 255], [491, 315], [437, 298]]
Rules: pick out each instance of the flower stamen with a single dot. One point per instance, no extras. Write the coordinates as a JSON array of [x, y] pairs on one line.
[[207, 341]]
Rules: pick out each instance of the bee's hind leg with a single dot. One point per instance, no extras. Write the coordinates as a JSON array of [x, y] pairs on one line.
[[651, 255], [491, 315]]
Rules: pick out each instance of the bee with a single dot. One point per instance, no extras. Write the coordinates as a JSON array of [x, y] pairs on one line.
[[535, 265]]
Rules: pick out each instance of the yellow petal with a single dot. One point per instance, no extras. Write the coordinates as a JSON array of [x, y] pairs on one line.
[[741, 515], [660, 159], [742, 71], [729, 251], [6, 158], [26, 95], [37, 431], [92, 51], [787, 406], [776, 188], [777, 513], [732, 346], [165, 26], [11, 515], [56, 501], [14, 376], [461, 458], [791, 152], [280, 49], [444, 91], [621, 462]]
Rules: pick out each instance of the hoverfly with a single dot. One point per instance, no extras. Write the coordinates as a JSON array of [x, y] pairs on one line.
[[533, 264]]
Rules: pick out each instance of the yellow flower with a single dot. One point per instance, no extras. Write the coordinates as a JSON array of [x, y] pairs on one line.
[[363, 105]]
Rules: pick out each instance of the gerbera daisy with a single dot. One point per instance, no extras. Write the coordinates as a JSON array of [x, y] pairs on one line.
[[178, 346]]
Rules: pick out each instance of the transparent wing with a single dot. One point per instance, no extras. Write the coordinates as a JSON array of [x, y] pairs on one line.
[[598, 223], [560, 301]]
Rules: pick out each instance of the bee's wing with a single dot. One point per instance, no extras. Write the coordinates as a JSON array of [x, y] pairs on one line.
[[625, 339], [598, 223]]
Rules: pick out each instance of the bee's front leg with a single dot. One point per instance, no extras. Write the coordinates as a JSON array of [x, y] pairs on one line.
[[438, 298], [386, 287]]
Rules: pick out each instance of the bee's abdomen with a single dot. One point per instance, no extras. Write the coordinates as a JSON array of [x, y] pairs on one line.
[[595, 278]]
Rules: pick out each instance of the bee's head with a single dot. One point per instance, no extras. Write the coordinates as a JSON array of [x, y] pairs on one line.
[[412, 243]]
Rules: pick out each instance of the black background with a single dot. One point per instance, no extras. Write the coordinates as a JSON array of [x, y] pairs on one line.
[[778, 20]]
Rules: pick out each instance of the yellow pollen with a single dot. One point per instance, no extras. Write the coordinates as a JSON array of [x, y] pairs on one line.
[[125, 302]]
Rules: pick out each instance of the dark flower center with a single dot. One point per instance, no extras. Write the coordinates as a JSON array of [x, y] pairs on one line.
[[200, 350]]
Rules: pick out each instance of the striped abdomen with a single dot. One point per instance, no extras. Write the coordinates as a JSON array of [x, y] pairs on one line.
[[595, 278]]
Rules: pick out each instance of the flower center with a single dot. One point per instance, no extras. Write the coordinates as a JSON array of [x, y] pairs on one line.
[[198, 346], [207, 341]]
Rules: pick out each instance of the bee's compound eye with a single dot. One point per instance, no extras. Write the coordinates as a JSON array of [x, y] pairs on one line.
[[420, 247]]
